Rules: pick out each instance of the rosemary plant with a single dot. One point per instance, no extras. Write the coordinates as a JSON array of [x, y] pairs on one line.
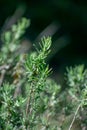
[[26, 92], [29, 98]]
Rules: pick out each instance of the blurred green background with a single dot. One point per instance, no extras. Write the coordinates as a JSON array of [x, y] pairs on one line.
[[64, 20]]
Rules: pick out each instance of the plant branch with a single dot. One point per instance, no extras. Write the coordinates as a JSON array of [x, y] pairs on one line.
[[74, 116]]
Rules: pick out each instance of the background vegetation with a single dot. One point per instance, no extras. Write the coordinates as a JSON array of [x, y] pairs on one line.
[[66, 23], [65, 18]]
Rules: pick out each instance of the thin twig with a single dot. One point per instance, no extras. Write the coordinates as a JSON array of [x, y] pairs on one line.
[[74, 116], [28, 103], [2, 76], [3, 70]]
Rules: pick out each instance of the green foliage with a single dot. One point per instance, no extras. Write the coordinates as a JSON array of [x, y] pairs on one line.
[[23, 105], [29, 99], [10, 114], [76, 80], [11, 39]]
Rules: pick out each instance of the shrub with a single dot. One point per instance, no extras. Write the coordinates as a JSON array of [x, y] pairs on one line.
[[29, 99]]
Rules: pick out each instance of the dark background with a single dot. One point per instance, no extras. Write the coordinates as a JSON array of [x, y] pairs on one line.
[[64, 20]]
